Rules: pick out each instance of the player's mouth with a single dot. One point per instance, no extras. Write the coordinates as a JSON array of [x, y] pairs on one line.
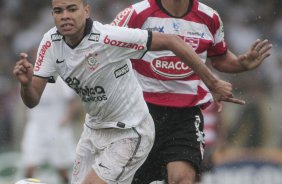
[[67, 27]]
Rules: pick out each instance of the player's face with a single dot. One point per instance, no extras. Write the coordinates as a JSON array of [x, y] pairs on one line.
[[70, 16]]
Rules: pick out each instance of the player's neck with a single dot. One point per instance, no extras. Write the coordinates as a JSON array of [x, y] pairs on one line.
[[176, 8], [74, 40]]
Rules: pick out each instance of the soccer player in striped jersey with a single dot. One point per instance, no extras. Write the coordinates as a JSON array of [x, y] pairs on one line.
[[174, 92]]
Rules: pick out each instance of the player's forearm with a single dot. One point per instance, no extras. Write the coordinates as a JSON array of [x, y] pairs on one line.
[[188, 56], [29, 96], [228, 63]]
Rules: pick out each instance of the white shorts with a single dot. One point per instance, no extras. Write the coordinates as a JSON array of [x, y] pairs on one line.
[[114, 154], [55, 147]]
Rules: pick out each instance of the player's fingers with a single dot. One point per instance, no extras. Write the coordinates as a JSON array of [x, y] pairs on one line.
[[25, 63], [253, 47], [219, 106], [265, 49], [265, 55], [233, 100], [19, 69], [23, 55], [260, 45]]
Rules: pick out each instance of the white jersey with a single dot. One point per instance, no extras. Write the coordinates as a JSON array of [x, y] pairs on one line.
[[99, 71]]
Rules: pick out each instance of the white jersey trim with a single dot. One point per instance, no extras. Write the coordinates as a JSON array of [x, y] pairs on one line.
[[141, 6], [167, 86]]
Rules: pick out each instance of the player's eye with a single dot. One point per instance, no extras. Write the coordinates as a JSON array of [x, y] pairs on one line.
[[57, 11], [72, 9]]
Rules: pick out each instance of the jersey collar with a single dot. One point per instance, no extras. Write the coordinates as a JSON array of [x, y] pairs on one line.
[[191, 3], [87, 30]]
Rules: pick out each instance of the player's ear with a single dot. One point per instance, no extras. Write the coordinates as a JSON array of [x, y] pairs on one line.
[[87, 10]]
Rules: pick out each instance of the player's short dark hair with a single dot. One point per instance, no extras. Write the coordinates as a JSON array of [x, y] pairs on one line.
[[85, 2]]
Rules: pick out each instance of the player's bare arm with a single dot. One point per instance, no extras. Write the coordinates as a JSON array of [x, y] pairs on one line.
[[251, 59], [31, 87], [221, 90]]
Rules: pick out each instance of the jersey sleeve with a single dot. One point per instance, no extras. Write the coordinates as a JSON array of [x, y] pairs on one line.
[[130, 17], [44, 64], [219, 47], [124, 18], [124, 43]]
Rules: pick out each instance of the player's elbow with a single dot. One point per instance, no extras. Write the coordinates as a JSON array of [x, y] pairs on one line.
[[31, 105]]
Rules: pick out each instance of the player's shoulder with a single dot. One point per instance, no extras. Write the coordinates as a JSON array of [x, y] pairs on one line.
[[135, 14], [207, 10], [143, 5], [99, 28]]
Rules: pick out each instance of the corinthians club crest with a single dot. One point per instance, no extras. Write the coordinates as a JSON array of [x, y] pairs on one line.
[[91, 61]]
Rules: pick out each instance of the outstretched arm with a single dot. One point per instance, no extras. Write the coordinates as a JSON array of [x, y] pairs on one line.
[[31, 87], [251, 59], [221, 90]]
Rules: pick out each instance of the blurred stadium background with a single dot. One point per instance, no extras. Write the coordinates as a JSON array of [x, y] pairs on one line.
[[250, 149]]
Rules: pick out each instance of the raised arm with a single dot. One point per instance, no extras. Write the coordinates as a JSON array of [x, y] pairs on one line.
[[251, 59], [31, 87], [221, 90]]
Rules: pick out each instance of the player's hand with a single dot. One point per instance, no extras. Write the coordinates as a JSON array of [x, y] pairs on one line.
[[255, 55], [222, 91], [23, 70]]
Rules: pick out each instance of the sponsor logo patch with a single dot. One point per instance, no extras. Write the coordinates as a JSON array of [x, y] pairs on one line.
[[41, 55], [196, 34], [60, 61], [193, 42], [87, 93], [121, 71], [56, 37], [176, 26], [171, 67], [94, 37], [157, 28], [112, 42], [123, 17]]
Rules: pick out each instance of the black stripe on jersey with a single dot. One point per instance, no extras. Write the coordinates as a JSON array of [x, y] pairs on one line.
[[51, 79], [149, 41]]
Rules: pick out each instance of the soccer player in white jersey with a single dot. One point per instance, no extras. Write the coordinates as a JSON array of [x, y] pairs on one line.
[[48, 137], [93, 59], [173, 91]]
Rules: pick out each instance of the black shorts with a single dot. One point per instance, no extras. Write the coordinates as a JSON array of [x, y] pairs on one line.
[[179, 137]]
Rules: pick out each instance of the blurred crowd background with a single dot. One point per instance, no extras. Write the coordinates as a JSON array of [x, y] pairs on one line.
[[247, 132]]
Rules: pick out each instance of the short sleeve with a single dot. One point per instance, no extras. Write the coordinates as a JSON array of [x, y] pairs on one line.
[[219, 47], [124, 43], [44, 64]]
